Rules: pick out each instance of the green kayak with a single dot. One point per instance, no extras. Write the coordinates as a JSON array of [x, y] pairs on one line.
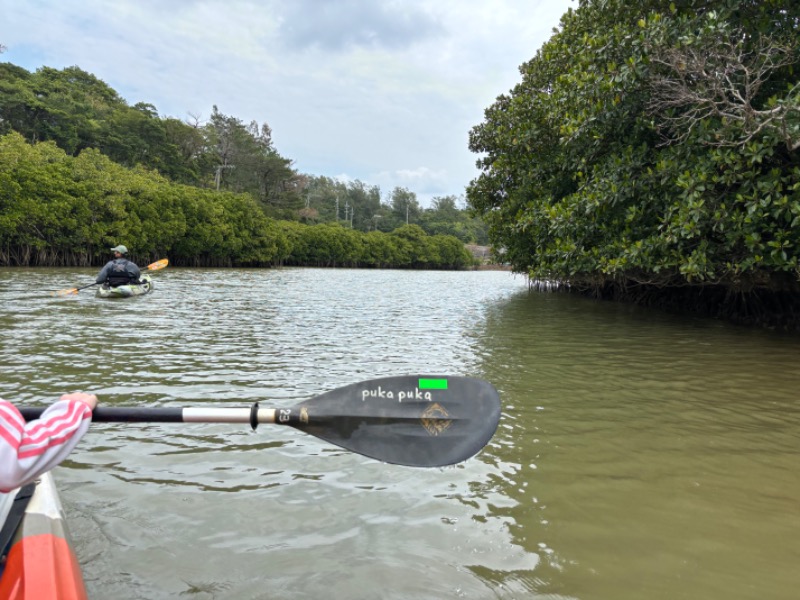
[[126, 291]]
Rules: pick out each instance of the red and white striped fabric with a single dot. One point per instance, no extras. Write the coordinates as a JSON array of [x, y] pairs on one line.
[[29, 449]]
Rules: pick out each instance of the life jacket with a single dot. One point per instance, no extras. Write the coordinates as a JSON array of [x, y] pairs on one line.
[[119, 275]]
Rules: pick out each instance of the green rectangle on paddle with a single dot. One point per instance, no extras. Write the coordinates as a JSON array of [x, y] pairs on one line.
[[433, 384]]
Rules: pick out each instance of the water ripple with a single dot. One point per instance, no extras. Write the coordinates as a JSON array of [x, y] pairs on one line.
[[639, 455]]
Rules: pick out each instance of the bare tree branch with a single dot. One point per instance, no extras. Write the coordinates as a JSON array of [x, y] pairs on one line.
[[722, 78]]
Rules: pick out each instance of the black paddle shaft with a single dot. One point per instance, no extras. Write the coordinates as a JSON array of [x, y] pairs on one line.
[[120, 414]]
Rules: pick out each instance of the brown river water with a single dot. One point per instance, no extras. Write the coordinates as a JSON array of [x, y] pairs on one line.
[[640, 455]]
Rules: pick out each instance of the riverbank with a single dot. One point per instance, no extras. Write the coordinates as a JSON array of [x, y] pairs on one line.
[[777, 310]]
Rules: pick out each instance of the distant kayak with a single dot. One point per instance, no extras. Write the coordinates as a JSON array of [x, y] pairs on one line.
[[41, 562], [126, 291]]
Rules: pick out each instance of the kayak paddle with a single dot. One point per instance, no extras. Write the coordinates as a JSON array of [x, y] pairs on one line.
[[156, 266], [413, 420]]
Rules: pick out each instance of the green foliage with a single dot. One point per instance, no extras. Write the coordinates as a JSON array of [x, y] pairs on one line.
[[334, 245], [360, 207], [246, 161], [353, 203], [405, 209], [58, 209], [445, 218], [579, 184]]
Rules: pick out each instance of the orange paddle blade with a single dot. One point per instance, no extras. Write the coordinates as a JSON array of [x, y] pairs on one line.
[[159, 264], [66, 292]]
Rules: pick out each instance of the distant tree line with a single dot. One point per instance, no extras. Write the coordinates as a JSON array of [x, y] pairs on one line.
[[80, 114], [360, 207], [57, 209]]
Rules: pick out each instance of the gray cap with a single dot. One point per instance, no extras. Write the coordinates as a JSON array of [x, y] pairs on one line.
[[121, 249]]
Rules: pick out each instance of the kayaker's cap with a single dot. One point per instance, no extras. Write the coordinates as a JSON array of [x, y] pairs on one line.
[[121, 249]]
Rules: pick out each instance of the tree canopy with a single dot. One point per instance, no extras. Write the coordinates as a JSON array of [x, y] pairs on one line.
[[649, 148]]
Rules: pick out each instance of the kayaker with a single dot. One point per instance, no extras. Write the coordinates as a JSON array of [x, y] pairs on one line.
[[119, 271], [29, 449]]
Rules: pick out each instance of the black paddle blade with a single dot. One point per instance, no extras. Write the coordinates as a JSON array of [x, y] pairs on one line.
[[419, 421]]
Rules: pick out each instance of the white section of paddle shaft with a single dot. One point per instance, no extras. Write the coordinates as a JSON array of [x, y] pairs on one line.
[[226, 415]]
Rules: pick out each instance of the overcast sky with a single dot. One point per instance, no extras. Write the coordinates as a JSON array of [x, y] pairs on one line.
[[384, 91]]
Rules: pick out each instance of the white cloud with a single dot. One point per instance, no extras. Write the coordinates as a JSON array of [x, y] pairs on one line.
[[385, 91], [337, 26], [423, 181]]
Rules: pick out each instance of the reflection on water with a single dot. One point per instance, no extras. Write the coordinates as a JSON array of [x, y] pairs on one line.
[[647, 456], [639, 455]]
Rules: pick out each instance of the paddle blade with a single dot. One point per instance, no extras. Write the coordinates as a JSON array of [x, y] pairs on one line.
[[66, 292], [69, 291], [159, 264], [420, 421]]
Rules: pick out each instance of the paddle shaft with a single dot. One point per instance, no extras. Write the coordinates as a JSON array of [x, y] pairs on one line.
[[254, 415], [111, 414]]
